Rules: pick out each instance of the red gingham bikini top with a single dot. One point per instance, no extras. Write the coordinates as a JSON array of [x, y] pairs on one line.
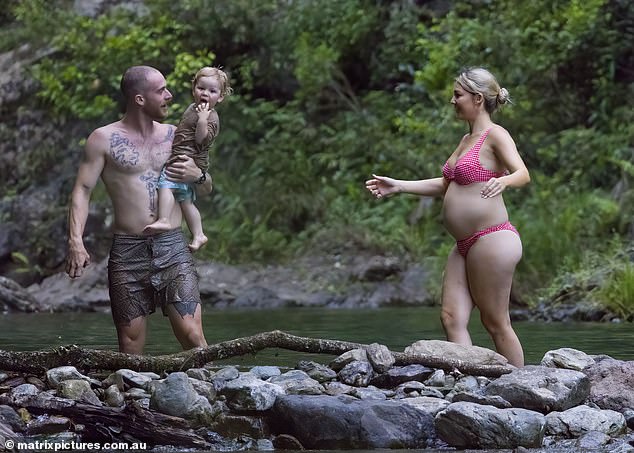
[[468, 168]]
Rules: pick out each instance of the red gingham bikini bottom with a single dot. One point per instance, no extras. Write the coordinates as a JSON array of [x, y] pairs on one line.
[[465, 244]]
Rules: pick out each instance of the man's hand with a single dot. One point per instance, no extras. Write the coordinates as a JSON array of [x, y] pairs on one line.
[[183, 169], [77, 259]]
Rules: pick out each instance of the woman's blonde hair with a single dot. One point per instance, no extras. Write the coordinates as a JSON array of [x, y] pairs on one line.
[[219, 74], [479, 80]]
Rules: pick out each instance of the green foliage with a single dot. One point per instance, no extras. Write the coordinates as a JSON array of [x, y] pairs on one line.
[[617, 293], [23, 21], [82, 78], [559, 225], [328, 92], [22, 263]]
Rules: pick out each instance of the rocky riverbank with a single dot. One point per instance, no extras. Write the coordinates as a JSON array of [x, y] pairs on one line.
[[334, 281], [571, 402]]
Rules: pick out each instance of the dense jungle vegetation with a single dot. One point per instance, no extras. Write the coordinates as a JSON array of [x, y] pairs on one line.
[[329, 91]]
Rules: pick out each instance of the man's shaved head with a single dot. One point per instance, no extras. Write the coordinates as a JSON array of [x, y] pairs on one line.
[[134, 80]]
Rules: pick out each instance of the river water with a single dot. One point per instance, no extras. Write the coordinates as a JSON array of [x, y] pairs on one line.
[[394, 327]]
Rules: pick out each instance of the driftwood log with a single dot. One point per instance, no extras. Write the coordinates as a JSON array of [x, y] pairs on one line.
[[93, 359], [109, 424]]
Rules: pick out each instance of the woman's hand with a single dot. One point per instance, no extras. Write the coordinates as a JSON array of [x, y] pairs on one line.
[[382, 186], [493, 187]]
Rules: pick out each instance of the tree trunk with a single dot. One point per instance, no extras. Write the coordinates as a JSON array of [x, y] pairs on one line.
[[91, 359]]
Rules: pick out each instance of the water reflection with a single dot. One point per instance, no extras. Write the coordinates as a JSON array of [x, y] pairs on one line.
[[394, 327]]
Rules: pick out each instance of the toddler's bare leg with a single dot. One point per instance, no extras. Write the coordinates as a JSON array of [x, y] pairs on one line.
[[195, 225], [165, 206]]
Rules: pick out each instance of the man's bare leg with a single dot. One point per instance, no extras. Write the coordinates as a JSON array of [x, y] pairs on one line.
[[132, 336], [188, 329], [195, 225], [165, 205]]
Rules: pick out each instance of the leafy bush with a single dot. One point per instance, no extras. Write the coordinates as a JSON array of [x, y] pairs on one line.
[[617, 293]]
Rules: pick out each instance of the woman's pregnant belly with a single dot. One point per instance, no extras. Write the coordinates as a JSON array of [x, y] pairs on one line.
[[465, 211]]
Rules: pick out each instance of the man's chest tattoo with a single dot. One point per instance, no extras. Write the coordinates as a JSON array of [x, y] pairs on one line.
[[150, 181], [169, 137], [123, 151]]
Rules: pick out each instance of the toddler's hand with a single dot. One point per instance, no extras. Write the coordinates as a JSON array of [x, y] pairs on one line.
[[203, 110]]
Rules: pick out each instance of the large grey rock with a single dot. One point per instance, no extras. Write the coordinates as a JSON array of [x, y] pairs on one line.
[[78, 390], [15, 81], [297, 382], [465, 384], [357, 373], [124, 379], [470, 425], [397, 375], [354, 355], [11, 418], [265, 372], [7, 432], [113, 396], [249, 393], [321, 373], [24, 390], [541, 388], [612, 384], [13, 297], [368, 393], [580, 420], [449, 350], [204, 388], [344, 422], [595, 441], [61, 293], [568, 358], [173, 395], [63, 373], [380, 357]]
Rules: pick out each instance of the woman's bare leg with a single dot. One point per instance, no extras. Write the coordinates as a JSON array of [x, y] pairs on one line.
[[195, 225], [456, 300], [491, 263], [165, 205]]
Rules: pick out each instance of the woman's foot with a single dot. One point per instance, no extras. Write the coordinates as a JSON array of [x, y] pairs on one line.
[[197, 242]]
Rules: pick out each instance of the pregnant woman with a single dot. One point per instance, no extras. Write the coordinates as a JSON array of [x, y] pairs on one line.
[[479, 269]]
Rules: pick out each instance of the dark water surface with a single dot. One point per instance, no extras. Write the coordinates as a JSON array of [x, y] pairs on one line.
[[394, 327]]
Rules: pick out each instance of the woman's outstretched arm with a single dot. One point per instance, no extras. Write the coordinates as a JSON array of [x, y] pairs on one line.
[[384, 186]]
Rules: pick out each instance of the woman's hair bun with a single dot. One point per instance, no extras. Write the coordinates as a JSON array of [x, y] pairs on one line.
[[503, 96]]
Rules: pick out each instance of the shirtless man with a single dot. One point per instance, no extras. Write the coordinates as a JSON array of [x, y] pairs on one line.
[[144, 271]]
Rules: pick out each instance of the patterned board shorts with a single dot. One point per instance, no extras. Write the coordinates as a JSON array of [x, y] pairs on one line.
[[149, 271]]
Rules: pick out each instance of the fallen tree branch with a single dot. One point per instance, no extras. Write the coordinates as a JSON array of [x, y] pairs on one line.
[[91, 359], [108, 424]]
